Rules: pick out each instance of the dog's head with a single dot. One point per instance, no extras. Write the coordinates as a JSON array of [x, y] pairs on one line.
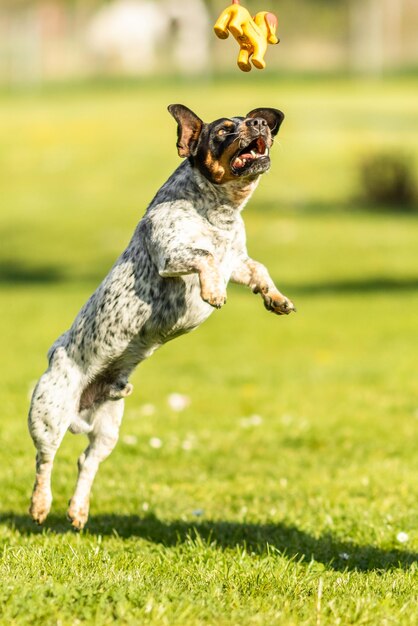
[[229, 148]]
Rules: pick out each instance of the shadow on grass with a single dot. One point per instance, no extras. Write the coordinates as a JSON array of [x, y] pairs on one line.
[[17, 273], [369, 285], [287, 540]]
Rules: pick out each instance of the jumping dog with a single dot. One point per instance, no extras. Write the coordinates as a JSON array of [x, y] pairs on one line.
[[174, 272]]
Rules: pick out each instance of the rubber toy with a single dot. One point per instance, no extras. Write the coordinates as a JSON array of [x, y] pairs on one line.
[[252, 34]]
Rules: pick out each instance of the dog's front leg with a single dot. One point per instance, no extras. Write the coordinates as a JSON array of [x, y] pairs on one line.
[[193, 260], [254, 275]]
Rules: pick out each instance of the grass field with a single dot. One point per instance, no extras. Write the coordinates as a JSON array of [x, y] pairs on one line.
[[286, 492]]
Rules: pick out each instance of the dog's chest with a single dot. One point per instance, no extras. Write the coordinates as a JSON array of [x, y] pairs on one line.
[[226, 250], [227, 234]]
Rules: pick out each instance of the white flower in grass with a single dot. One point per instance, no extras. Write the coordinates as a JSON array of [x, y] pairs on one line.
[[155, 442], [149, 606], [402, 537], [130, 440], [178, 402], [145, 506], [252, 420], [189, 442], [286, 419], [198, 512], [146, 410], [345, 556]]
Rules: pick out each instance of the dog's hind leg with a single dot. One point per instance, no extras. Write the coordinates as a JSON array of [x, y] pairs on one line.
[[103, 437], [53, 407]]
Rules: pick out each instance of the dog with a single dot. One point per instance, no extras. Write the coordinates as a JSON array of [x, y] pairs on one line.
[[173, 274]]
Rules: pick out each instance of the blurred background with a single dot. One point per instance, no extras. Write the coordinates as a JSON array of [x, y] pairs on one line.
[[61, 40], [85, 142]]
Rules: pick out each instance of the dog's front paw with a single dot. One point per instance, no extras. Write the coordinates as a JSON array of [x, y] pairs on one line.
[[215, 298], [276, 302]]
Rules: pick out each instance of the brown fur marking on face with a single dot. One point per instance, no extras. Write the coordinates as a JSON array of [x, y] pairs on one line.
[[215, 168], [229, 124], [225, 161]]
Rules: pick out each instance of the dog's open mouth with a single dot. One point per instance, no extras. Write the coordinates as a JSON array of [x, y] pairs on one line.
[[246, 157]]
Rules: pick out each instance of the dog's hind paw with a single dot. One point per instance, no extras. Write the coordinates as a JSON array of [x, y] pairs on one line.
[[39, 508], [78, 515]]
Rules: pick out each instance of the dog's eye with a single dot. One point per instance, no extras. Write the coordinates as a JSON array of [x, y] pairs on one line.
[[223, 131]]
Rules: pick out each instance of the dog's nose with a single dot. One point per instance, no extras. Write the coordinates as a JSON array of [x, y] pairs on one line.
[[256, 122]]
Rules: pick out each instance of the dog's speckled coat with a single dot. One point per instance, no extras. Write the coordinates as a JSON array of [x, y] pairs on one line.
[[169, 279]]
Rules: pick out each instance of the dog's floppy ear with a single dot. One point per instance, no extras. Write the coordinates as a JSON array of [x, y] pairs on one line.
[[273, 117], [188, 129]]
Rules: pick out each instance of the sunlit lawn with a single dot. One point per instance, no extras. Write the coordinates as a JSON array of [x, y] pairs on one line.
[[294, 468]]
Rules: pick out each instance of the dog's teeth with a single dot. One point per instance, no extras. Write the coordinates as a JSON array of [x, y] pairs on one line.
[[253, 154], [266, 152]]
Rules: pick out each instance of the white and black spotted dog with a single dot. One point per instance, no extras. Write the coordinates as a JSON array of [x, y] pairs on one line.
[[174, 272]]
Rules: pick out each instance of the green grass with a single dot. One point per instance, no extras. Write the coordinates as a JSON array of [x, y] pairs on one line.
[[291, 519]]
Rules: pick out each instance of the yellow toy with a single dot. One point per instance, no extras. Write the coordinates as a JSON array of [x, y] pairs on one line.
[[252, 34]]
